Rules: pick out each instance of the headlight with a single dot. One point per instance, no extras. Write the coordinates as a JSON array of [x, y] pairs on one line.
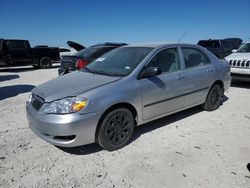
[[65, 106]]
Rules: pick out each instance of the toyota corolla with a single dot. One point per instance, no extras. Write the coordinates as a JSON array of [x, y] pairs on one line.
[[124, 88]]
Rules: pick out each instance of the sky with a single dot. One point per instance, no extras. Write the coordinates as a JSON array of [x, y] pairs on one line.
[[54, 22]]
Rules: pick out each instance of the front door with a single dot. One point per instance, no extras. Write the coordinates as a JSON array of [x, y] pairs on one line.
[[161, 94], [19, 52]]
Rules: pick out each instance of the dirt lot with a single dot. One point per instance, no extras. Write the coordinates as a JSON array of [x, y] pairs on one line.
[[193, 148]]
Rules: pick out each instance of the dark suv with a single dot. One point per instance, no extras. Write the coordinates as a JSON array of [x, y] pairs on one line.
[[80, 59], [221, 47]]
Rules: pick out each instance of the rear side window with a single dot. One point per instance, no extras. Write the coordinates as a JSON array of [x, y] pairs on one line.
[[194, 57], [167, 60], [17, 44]]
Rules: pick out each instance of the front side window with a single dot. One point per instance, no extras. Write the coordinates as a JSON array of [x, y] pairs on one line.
[[194, 57], [167, 60]]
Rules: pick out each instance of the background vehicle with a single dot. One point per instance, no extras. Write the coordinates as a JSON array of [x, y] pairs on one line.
[[19, 52], [80, 59], [72, 49], [221, 47], [126, 87], [240, 63]]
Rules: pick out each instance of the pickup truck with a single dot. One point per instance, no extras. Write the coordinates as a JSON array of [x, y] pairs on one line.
[[18, 52], [221, 47]]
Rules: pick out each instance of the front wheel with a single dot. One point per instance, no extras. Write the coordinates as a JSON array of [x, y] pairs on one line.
[[116, 129], [213, 100]]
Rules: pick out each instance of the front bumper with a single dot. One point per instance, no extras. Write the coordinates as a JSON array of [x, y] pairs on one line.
[[240, 74], [68, 130]]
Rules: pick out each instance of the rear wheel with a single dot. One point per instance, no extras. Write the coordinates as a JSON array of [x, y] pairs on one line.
[[116, 129], [45, 63], [213, 100]]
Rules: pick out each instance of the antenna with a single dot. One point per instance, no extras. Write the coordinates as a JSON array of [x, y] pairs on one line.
[[184, 33]]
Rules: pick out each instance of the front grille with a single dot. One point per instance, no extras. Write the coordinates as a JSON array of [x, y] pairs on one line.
[[36, 101], [239, 63]]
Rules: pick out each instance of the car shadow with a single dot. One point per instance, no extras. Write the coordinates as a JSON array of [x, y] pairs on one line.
[[165, 121], [11, 91], [82, 150], [8, 77], [240, 84], [23, 69]]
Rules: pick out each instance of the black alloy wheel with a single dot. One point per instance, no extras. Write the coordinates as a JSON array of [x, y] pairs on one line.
[[116, 129], [213, 100]]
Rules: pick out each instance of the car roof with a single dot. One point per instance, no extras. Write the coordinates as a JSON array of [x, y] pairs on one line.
[[109, 44], [156, 45]]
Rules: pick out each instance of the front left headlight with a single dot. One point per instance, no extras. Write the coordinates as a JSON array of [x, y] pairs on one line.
[[65, 106]]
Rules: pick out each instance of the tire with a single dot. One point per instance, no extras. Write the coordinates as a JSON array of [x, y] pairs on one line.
[[45, 63], [213, 100], [116, 129]]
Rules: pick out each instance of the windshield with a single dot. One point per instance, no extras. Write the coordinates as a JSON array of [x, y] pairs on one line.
[[244, 49], [118, 62]]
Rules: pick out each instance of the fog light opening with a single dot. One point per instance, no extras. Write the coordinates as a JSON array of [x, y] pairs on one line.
[[65, 138]]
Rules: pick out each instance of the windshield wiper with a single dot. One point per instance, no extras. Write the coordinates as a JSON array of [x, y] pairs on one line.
[[107, 73]]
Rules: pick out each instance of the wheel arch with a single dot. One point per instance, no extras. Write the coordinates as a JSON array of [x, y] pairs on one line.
[[126, 105], [220, 83]]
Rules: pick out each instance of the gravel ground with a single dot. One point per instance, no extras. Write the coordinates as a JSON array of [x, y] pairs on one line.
[[192, 148]]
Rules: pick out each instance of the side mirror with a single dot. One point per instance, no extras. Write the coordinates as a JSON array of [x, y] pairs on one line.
[[234, 50], [150, 71]]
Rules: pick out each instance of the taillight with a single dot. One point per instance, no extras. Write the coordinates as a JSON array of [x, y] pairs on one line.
[[81, 64]]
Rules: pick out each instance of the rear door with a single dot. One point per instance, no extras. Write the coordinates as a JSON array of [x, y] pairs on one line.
[[19, 51], [199, 74], [162, 94]]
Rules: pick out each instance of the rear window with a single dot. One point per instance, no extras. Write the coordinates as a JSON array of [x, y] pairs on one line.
[[209, 43], [93, 52]]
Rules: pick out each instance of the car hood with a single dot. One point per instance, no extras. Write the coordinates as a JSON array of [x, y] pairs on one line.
[[238, 56], [72, 84]]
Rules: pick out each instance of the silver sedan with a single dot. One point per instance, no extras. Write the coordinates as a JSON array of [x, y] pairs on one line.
[[124, 88]]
